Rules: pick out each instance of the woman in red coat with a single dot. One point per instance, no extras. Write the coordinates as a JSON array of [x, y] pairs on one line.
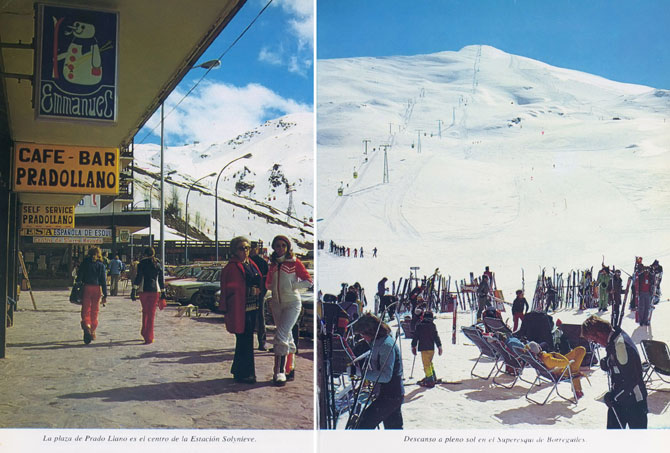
[[240, 289]]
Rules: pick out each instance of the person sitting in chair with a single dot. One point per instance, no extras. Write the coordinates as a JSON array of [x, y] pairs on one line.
[[556, 363]]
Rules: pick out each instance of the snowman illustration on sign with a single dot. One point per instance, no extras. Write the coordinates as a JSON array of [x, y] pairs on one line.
[[82, 64]]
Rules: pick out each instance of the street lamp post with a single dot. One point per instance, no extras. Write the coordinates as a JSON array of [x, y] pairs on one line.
[[186, 229], [151, 188], [216, 203]]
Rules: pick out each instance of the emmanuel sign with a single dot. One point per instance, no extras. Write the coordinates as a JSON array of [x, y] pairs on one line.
[[77, 63]]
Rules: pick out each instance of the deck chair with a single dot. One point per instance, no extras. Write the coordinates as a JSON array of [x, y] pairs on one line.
[[657, 355], [342, 356], [573, 332], [544, 375], [485, 350], [406, 326], [496, 325], [509, 363]]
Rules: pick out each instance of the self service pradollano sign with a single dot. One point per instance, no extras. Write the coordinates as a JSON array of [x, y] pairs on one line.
[[77, 63], [65, 169]]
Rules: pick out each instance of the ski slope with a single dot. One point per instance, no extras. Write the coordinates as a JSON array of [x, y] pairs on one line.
[[493, 159]]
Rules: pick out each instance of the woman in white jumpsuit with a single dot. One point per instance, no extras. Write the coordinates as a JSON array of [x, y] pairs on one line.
[[285, 277]]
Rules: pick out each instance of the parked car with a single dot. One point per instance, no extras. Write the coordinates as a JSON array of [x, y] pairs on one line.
[[208, 296], [186, 291]]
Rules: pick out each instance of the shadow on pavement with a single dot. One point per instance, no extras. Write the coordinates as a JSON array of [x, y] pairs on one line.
[[187, 357], [169, 391]]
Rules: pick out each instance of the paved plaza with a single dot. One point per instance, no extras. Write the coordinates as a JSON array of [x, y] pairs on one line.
[[51, 379]]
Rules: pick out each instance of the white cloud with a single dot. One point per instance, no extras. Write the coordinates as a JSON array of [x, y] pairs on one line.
[[268, 56], [302, 23], [217, 112], [295, 50]]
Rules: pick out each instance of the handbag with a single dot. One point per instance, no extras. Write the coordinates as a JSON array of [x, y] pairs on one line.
[[75, 294], [162, 303]]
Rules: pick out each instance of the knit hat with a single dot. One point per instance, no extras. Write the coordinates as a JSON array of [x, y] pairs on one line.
[[428, 315], [534, 347], [282, 238]]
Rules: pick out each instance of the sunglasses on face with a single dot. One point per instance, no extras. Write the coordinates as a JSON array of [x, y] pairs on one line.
[[244, 247]]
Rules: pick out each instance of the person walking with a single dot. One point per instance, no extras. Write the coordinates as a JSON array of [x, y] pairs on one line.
[[519, 308], [385, 370], [627, 398], [150, 275], [426, 338], [92, 273], [262, 265], [115, 268], [240, 287], [286, 275]]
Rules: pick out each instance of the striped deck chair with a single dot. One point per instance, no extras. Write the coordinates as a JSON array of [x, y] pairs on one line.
[[544, 375], [485, 350]]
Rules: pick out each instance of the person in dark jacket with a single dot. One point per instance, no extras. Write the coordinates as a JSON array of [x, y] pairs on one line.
[[262, 265], [426, 338], [552, 300], [519, 308], [537, 326], [92, 273], [149, 272], [240, 286], [385, 370], [643, 287], [627, 398], [615, 289], [483, 295]]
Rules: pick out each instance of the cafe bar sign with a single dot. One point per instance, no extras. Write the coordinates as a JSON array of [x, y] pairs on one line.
[[77, 58], [41, 216], [65, 169]]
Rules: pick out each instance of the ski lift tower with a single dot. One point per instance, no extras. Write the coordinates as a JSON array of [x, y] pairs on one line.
[[439, 128], [289, 211], [386, 164], [365, 142], [418, 143]]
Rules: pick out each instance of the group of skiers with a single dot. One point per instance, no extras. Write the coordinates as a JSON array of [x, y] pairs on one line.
[[341, 250]]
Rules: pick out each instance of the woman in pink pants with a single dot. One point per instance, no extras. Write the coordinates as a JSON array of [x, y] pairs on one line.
[[149, 272], [92, 274]]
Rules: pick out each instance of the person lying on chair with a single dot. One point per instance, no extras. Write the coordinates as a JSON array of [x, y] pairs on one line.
[[556, 363]]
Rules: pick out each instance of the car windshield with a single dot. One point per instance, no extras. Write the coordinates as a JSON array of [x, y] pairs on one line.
[[208, 275]]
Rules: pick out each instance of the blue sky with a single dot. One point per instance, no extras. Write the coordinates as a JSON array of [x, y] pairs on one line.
[[267, 74], [622, 40]]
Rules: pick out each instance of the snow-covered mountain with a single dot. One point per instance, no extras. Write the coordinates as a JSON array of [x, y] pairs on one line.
[[493, 159], [254, 193]]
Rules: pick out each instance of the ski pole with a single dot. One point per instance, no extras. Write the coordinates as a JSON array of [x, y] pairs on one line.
[[411, 374]]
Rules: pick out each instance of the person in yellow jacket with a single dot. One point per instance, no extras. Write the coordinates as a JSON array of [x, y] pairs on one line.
[[556, 363]]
